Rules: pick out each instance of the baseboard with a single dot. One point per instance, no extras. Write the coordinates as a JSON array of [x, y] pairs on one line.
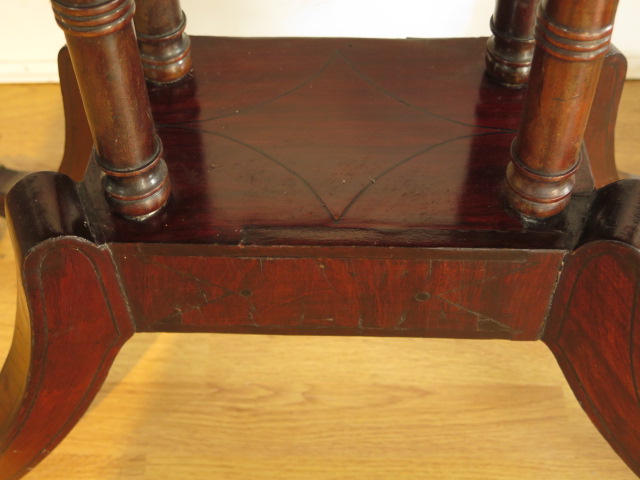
[[47, 71], [633, 69]]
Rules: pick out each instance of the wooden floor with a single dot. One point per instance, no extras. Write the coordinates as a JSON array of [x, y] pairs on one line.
[[260, 407]]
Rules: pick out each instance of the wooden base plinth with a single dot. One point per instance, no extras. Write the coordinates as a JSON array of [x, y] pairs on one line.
[[320, 187]]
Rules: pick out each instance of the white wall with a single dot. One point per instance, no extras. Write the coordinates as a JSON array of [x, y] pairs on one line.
[[30, 38]]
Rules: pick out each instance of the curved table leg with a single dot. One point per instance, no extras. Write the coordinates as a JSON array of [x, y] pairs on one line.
[[599, 137], [594, 332], [71, 322]]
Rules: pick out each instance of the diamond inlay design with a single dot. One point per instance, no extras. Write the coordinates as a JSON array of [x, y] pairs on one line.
[[309, 127]]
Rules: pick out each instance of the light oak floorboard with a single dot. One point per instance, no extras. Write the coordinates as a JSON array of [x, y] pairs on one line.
[[231, 407]]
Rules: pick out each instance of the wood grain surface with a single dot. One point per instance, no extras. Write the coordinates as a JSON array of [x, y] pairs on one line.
[[266, 407], [339, 141]]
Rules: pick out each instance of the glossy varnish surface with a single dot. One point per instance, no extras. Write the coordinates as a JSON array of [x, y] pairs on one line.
[[275, 134]]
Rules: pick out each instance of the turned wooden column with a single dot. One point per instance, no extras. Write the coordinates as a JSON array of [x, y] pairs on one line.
[[164, 47], [105, 58], [510, 48], [572, 38]]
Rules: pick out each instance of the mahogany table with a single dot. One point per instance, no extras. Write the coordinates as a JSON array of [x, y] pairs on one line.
[[427, 188]]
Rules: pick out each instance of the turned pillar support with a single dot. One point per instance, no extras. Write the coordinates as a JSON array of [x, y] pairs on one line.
[[572, 39], [510, 48], [105, 57], [165, 49]]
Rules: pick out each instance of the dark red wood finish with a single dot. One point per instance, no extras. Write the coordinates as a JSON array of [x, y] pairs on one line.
[[66, 337], [336, 141], [165, 49], [599, 136], [346, 187], [593, 325], [105, 55], [466, 293], [510, 48], [572, 39], [594, 335]]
